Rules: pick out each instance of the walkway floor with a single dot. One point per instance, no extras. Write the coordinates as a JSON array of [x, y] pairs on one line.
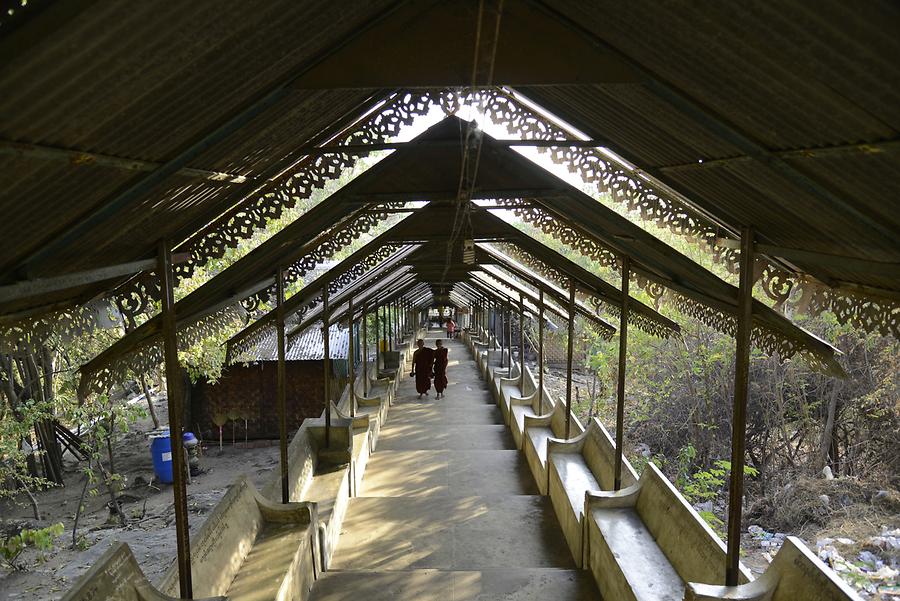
[[448, 509]]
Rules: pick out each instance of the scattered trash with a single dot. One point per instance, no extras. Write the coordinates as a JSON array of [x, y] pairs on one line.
[[874, 574]]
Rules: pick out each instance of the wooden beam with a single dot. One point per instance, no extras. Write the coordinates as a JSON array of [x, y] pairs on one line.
[[819, 259], [39, 286], [862, 149], [77, 158], [424, 144], [452, 195]]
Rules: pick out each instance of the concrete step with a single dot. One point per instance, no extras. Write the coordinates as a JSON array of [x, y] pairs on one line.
[[459, 533], [463, 585], [449, 473], [409, 437], [428, 415]]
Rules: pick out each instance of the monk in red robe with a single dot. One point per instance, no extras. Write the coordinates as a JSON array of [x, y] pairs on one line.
[[423, 361], [440, 368]]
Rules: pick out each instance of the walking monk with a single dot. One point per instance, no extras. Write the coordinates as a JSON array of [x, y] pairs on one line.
[[422, 360], [440, 368]]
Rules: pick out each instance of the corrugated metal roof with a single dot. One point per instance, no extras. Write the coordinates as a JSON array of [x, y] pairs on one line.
[[308, 346], [795, 103], [148, 81], [144, 84]]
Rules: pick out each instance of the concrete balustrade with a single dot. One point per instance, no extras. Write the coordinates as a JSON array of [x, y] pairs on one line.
[[537, 431], [116, 576], [795, 574], [646, 541], [250, 547], [582, 463]]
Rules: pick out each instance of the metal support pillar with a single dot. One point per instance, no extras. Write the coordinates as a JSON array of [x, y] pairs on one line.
[[174, 386], [502, 333], [739, 420], [521, 344], [377, 331], [620, 389], [509, 322], [571, 350], [493, 325], [326, 363], [541, 352], [351, 358], [365, 351], [281, 387], [388, 334], [384, 329]]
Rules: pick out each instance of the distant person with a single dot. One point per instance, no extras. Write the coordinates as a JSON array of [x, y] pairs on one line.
[[451, 328], [440, 368], [422, 363]]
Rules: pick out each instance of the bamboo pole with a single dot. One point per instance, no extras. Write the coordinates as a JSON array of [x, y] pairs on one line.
[[620, 389], [739, 420], [174, 386]]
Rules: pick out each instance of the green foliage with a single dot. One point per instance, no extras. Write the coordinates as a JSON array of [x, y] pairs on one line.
[[41, 539]]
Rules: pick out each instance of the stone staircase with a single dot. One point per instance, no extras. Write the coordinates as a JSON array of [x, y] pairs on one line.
[[448, 509]]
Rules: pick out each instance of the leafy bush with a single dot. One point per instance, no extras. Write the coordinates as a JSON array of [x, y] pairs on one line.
[[41, 539]]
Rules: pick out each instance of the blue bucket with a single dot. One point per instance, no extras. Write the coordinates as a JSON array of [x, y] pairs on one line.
[[161, 450]]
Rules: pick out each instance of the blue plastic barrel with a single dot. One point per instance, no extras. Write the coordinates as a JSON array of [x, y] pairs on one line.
[[161, 450]]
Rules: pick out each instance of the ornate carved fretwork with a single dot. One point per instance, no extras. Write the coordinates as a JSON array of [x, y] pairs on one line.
[[245, 347], [643, 322], [666, 209], [150, 355], [28, 334], [333, 241]]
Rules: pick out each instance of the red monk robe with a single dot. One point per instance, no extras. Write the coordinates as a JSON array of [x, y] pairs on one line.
[[440, 369], [422, 360]]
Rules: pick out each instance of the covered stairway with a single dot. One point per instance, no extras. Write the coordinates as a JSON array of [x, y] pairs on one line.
[[448, 510], [143, 147]]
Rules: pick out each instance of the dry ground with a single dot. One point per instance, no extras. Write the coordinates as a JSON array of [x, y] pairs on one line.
[[149, 506]]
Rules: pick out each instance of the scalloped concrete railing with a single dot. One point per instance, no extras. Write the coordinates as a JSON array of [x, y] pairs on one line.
[[116, 576], [644, 542]]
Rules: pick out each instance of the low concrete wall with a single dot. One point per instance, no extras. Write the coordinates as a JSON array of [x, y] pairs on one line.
[[226, 538], [586, 458], [691, 546], [795, 574], [116, 576]]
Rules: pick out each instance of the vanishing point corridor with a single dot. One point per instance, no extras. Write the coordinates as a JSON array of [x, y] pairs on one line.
[[449, 510]]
